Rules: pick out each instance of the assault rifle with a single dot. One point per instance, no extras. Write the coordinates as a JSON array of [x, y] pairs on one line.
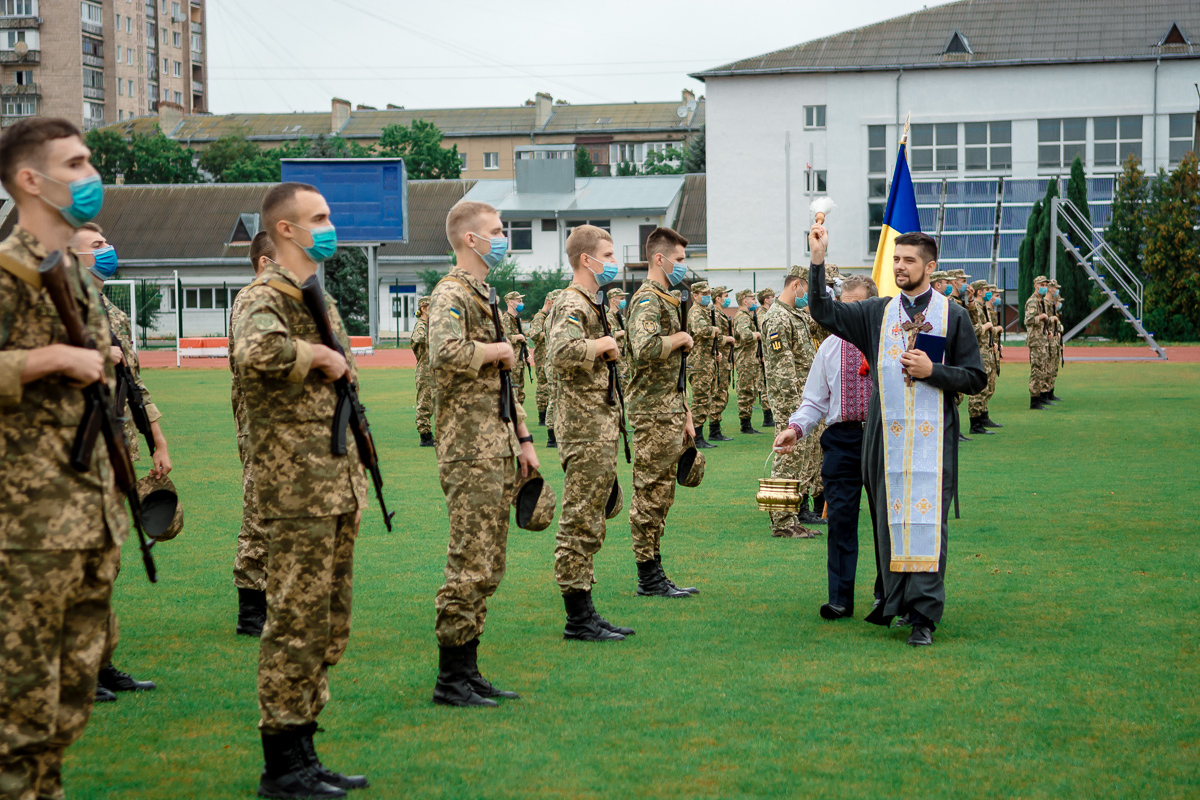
[[99, 413], [507, 400], [615, 394], [349, 412], [761, 361], [128, 392], [681, 384], [524, 349]]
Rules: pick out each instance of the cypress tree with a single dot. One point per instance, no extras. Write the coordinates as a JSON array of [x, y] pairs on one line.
[[1074, 283], [1041, 244], [1172, 255], [1025, 255]]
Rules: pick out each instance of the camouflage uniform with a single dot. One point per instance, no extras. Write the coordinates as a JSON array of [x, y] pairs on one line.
[[657, 412], [250, 562], [512, 327], [550, 404], [476, 454], [789, 352], [587, 436], [420, 346], [745, 357], [310, 500], [537, 335], [1038, 339], [1056, 329], [997, 331], [759, 314], [977, 404], [724, 366], [813, 457], [60, 536], [702, 367]]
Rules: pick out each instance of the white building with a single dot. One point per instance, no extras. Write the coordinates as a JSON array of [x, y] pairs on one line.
[[1003, 94]]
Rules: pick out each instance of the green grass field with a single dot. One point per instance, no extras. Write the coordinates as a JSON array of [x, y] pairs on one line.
[[1066, 666]]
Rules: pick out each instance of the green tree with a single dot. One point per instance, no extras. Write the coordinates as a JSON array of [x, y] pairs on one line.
[[540, 284], [149, 307], [584, 168], [346, 280], [430, 277], [225, 153], [626, 168], [1041, 245], [667, 162], [504, 277], [155, 158], [1074, 283], [1126, 230], [110, 153], [1171, 258], [260, 167], [421, 148], [693, 153], [1025, 256]]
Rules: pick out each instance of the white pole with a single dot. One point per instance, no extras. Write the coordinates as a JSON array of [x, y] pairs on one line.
[[178, 316], [787, 198]]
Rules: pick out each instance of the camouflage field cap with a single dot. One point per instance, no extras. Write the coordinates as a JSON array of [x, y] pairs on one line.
[[611, 293], [743, 294], [798, 271], [534, 501], [719, 290], [513, 296], [1041, 279], [977, 285], [957, 273], [691, 465], [162, 515], [424, 301], [763, 294], [616, 500], [940, 275], [993, 287], [700, 287], [1054, 284], [832, 274]]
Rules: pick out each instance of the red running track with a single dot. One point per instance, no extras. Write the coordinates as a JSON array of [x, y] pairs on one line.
[[158, 359]]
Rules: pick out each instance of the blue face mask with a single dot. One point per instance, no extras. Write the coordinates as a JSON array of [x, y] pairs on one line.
[[1042, 290], [949, 290], [678, 272], [106, 262], [996, 302], [987, 296], [802, 300], [324, 243], [726, 303], [963, 290], [621, 305], [705, 300], [87, 197], [498, 249], [520, 307], [753, 308], [608, 274]]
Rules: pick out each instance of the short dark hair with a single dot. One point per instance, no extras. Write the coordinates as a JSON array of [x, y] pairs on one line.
[[25, 141], [278, 203], [261, 245], [922, 241], [663, 240]]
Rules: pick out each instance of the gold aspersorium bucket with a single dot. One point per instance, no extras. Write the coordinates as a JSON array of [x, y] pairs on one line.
[[778, 494]]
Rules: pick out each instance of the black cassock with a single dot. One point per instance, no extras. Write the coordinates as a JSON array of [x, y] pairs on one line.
[[962, 371]]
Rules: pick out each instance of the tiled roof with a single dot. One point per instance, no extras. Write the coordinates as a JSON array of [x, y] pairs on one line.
[[692, 219], [995, 32], [209, 127]]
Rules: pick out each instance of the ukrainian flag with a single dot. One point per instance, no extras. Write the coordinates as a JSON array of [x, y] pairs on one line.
[[899, 217]]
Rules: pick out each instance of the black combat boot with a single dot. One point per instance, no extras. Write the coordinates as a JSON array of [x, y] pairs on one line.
[[988, 422], [309, 751], [814, 517], [480, 684], [104, 695], [652, 582], [581, 625], [1035, 402], [962, 438], [550, 440], [426, 440], [286, 774], [603, 623], [747, 427], [978, 428], [701, 444], [252, 612], [1053, 396], [542, 418], [453, 687], [714, 432], [768, 419], [1047, 400], [671, 583], [114, 680]]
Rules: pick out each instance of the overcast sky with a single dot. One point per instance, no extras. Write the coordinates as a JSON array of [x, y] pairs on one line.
[[294, 55]]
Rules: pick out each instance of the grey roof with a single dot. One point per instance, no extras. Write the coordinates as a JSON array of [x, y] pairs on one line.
[[692, 219], [593, 197], [996, 32]]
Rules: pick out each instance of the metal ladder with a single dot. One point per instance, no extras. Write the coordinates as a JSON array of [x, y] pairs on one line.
[[1065, 221]]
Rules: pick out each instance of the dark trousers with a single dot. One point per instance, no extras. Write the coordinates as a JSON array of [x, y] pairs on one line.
[[841, 473]]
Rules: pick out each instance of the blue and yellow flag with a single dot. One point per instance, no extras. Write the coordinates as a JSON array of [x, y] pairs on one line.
[[900, 217]]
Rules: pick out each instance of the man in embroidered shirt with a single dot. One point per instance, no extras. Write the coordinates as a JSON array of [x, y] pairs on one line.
[[910, 528], [838, 391]]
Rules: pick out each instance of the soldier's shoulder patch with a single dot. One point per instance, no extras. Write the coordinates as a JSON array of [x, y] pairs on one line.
[[773, 335], [647, 326], [644, 301], [776, 345], [454, 312], [574, 318]]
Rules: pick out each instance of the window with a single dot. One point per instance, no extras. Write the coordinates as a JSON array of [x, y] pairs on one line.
[[150, 32], [877, 149], [1060, 140], [163, 6], [572, 224], [177, 69], [177, 38], [549, 225], [491, 161], [118, 22], [204, 297], [1117, 138], [93, 112], [179, 98], [23, 77], [175, 12], [120, 115], [814, 180], [93, 78], [520, 235], [129, 24], [166, 94], [989, 145], [14, 107], [626, 152], [876, 187], [462, 160], [164, 35], [129, 91], [16, 8], [91, 13], [1180, 131], [93, 47], [120, 53], [814, 116], [14, 37], [121, 88], [197, 42], [166, 65], [935, 147], [129, 56]]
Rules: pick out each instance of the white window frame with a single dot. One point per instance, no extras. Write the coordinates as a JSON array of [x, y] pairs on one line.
[[91, 13], [991, 146], [1077, 146], [491, 161], [20, 8], [522, 225], [1118, 142], [937, 147], [177, 69], [814, 118], [176, 39], [1185, 142]]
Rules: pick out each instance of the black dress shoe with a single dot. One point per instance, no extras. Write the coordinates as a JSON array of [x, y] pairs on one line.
[[104, 695], [922, 636], [114, 680], [830, 611]]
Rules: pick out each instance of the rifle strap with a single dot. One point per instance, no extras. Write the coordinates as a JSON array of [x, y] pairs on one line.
[[20, 271], [284, 288], [670, 299], [487, 309], [591, 302]]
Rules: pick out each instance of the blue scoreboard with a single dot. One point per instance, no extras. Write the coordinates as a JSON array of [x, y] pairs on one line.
[[368, 197]]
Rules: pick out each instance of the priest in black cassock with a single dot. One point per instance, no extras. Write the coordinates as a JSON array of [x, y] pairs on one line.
[[905, 485]]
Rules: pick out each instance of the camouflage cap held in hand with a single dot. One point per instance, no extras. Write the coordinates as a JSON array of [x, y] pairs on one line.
[[162, 515], [535, 502]]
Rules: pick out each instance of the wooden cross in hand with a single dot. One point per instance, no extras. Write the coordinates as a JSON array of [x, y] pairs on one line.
[[917, 325]]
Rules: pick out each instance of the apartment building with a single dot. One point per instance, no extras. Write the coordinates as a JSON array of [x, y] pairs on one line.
[[96, 62]]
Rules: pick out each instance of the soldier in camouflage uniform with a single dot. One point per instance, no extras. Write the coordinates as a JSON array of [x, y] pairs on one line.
[[748, 368], [88, 242], [420, 346], [702, 362], [813, 457], [514, 331], [253, 542], [991, 304], [59, 546], [1054, 306], [977, 404], [1037, 327], [537, 335], [766, 299], [658, 410], [310, 500], [723, 320], [789, 353], [479, 456], [587, 430], [550, 404], [616, 321]]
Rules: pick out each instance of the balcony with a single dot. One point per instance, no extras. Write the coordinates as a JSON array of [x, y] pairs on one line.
[[197, 27], [92, 124], [94, 30], [197, 87], [24, 23], [31, 57], [89, 60], [178, 18], [92, 93], [152, 73], [151, 11], [28, 90]]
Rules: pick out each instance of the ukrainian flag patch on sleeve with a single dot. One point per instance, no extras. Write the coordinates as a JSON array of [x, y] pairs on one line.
[[573, 318], [454, 312], [643, 301]]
